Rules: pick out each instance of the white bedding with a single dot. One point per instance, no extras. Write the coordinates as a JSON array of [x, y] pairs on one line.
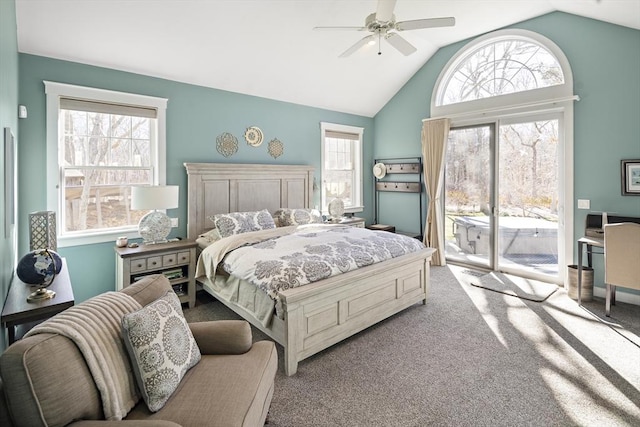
[[287, 257]]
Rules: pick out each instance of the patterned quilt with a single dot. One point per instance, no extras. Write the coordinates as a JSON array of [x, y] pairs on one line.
[[310, 253]]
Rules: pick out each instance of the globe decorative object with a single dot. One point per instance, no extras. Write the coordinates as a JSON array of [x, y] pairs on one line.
[[39, 268]]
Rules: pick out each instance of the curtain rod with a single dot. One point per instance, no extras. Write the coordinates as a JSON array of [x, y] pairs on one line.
[[493, 110]]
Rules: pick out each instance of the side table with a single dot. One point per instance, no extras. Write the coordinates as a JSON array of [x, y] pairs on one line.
[[17, 311], [176, 260]]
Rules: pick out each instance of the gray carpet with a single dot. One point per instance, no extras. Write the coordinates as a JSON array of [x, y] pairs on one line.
[[468, 358], [528, 289]]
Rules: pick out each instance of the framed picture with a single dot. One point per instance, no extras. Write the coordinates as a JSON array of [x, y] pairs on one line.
[[630, 170], [9, 182]]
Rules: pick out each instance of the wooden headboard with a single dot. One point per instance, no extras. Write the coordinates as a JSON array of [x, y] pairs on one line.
[[226, 187]]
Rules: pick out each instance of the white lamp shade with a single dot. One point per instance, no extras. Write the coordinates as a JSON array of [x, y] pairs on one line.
[[154, 197]]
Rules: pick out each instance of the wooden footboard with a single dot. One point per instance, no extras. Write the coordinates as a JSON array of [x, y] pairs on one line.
[[324, 313]]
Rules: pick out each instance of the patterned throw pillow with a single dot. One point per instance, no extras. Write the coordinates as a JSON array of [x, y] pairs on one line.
[[298, 216], [161, 347], [243, 222], [209, 237]]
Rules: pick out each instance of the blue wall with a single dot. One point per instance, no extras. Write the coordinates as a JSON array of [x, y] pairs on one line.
[[8, 118], [195, 117], [605, 60]]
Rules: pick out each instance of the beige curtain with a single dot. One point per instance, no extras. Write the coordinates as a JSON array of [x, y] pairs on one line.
[[434, 142]]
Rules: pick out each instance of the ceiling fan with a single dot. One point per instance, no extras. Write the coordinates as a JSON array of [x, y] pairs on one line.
[[382, 24]]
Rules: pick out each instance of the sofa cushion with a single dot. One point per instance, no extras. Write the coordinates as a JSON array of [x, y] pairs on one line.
[[161, 347], [222, 336], [47, 382], [148, 289], [222, 390]]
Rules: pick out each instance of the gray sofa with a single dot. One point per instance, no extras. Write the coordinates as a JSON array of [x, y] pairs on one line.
[[46, 381]]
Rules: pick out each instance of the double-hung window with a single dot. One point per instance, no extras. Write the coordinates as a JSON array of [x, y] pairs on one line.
[[342, 166], [99, 144]]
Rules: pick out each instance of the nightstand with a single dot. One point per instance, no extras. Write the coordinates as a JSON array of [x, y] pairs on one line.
[[176, 260], [353, 221]]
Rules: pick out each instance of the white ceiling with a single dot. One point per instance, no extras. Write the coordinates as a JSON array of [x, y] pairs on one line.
[[268, 48]]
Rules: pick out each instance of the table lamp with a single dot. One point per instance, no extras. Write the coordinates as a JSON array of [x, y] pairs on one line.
[[155, 226]]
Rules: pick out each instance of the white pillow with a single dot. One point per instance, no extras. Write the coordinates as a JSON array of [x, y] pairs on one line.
[[243, 222], [209, 237], [161, 348]]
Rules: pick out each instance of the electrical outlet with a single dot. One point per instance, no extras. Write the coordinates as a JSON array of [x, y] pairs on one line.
[[584, 204], [174, 222]]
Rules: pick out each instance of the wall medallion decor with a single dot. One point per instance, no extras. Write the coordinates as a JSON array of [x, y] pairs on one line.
[[276, 148], [254, 136], [227, 144]]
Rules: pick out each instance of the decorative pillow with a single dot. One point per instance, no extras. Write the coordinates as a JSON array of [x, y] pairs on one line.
[[205, 239], [298, 216], [161, 347], [243, 222]]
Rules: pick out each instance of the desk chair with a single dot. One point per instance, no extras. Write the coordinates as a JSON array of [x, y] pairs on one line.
[[621, 259]]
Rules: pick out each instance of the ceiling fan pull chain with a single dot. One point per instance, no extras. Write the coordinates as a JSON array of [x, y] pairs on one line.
[[379, 43]]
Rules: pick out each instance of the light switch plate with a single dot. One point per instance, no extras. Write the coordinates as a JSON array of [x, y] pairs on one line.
[[174, 222], [584, 204]]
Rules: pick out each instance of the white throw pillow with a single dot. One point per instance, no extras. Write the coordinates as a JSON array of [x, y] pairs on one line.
[[161, 347]]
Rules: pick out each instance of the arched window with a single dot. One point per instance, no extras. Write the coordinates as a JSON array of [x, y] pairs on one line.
[[501, 69]]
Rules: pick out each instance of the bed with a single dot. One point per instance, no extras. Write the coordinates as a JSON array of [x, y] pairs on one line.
[[315, 316]]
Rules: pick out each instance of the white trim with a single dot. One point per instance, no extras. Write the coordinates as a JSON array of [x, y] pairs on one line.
[[621, 296], [54, 92], [508, 110]]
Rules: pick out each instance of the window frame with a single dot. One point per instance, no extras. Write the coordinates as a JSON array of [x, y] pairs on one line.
[[358, 180], [511, 100], [54, 92]]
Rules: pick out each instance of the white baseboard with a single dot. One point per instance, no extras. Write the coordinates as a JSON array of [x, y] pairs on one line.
[[621, 295]]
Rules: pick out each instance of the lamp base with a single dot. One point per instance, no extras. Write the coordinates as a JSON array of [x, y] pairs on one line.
[[40, 295], [154, 227]]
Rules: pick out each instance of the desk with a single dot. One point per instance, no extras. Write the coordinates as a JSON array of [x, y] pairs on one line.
[[18, 311], [591, 242]]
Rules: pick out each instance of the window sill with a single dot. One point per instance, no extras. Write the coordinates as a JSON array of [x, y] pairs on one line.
[[94, 238]]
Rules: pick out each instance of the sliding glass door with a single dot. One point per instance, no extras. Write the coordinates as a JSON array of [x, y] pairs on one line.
[[528, 188], [501, 196], [469, 196]]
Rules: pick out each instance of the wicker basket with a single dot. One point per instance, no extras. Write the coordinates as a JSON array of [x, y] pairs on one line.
[[587, 283]]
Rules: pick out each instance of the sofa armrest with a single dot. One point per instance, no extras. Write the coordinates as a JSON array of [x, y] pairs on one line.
[[222, 336], [124, 423]]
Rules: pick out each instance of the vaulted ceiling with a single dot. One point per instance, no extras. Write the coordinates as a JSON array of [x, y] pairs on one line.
[[269, 48]]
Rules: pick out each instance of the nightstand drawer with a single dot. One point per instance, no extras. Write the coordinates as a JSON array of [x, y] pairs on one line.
[[169, 260], [154, 262], [183, 257], [138, 264]]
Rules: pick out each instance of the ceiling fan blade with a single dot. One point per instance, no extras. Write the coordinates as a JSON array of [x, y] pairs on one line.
[[363, 41], [339, 28], [417, 24], [384, 12], [400, 43]]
